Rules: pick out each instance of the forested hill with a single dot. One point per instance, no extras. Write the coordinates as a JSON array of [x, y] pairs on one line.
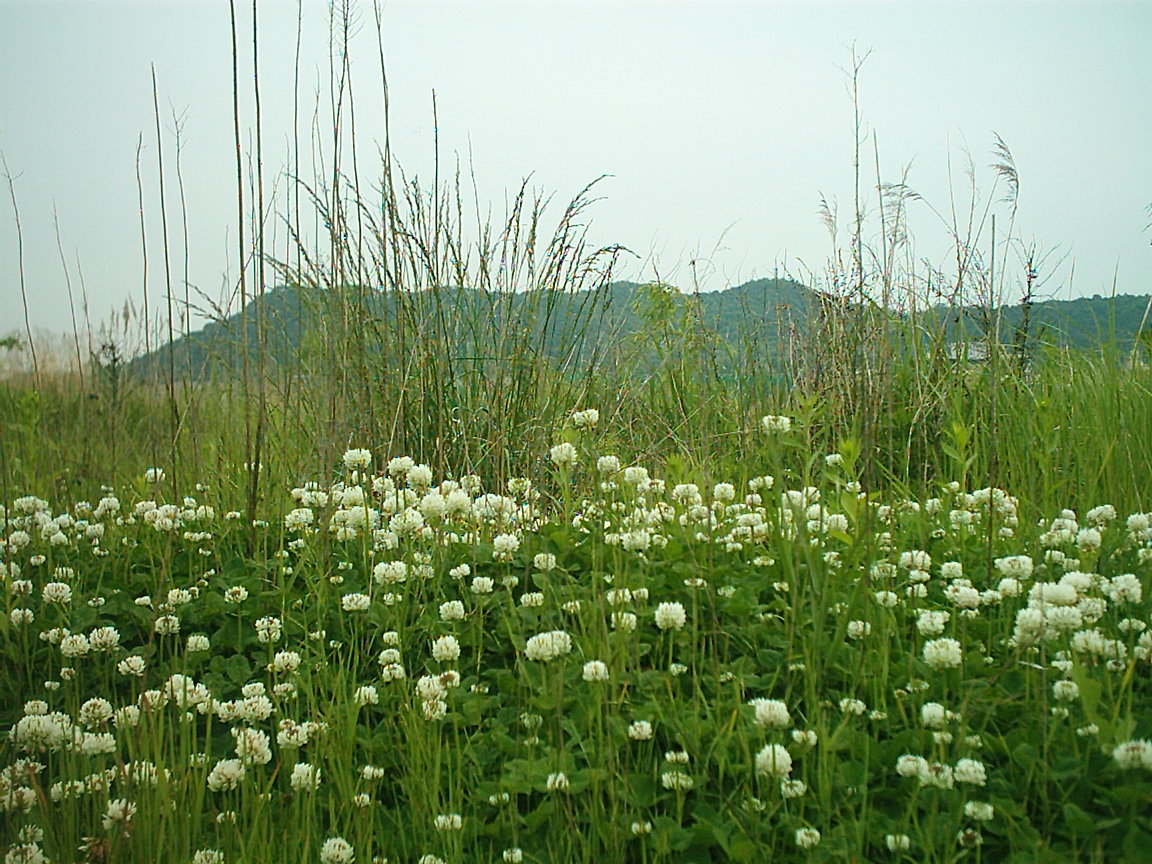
[[1085, 322], [300, 325]]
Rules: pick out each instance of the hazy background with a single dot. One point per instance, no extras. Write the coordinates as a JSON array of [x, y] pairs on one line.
[[721, 123]]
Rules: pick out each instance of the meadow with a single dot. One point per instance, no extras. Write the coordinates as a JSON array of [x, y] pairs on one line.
[[462, 583], [608, 661]]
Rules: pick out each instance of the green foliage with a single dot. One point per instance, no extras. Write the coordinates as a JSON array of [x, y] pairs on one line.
[[781, 597]]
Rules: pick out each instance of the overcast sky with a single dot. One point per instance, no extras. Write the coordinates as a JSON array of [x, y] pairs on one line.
[[720, 123]]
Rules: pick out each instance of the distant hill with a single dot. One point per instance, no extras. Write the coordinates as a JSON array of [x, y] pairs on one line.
[[1085, 322], [300, 325]]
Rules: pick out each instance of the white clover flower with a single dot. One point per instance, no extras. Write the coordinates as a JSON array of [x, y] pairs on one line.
[[805, 737], [390, 571], [225, 775], [305, 777], [337, 850], [916, 559], [532, 600], [677, 781], [407, 522], [127, 717], [400, 466], [624, 621], [807, 838], [640, 730], [970, 771], [951, 570], [452, 610], [544, 561], [1140, 527], [1134, 754], [95, 712], [608, 464], [849, 705], [119, 812], [898, 842], [564, 453], [514, 855], [670, 616], [299, 519], [97, 743], [133, 665], [366, 695], [586, 419], [979, 811], [208, 856], [419, 477], [548, 646], [166, 626], [504, 545], [154, 475], [22, 617], [1089, 539], [943, 653], [355, 602], [793, 788], [482, 585], [446, 649], [969, 838], [236, 594], [773, 761], [1015, 566], [637, 475], [103, 638], [595, 670], [936, 774], [933, 715], [557, 782], [57, 592], [836, 522], [74, 645], [858, 629], [448, 822], [268, 629], [1125, 588], [964, 596], [771, 712], [911, 766], [776, 424], [252, 746], [1066, 691], [931, 622]]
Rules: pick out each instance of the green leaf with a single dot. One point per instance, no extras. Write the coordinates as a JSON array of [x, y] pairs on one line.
[[1078, 821], [1089, 692]]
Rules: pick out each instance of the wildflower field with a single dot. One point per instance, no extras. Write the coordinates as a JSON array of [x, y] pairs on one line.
[[434, 555], [597, 664]]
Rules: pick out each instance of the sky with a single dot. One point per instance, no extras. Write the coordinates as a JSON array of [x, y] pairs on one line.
[[720, 127]]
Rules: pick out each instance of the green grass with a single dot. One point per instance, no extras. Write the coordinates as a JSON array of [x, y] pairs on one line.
[[781, 599], [931, 594]]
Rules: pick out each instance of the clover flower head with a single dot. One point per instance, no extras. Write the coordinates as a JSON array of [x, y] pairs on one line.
[[670, 616]]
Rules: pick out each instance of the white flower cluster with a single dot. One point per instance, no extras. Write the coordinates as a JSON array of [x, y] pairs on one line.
[[549, 646]]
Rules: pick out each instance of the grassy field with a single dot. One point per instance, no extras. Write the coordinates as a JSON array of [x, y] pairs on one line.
[[442, 586], [746, 644]]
